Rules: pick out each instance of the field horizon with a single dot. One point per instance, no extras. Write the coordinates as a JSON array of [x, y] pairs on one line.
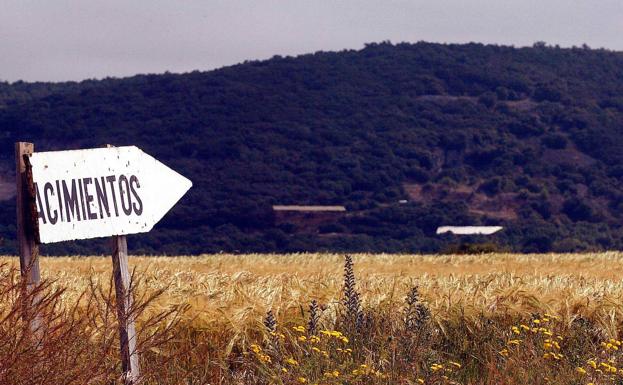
[[199, 280]]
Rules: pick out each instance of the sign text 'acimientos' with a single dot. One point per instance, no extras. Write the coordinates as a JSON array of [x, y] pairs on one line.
[[101, 192]]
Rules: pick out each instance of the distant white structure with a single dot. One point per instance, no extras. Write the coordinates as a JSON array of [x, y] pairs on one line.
[[308, 208], [469, 230]]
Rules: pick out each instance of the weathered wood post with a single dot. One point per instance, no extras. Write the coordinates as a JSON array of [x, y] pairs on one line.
[[127, 330], [26, 217], [27, 225]]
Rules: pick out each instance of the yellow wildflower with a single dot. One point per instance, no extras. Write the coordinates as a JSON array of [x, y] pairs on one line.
[[580, 370], [263, 357], [302, 380], [314, 339], [592, 364], [334, 373]]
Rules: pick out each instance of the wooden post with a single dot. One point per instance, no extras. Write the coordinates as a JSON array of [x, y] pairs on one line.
[[27, 233], [26, 216], [127, 331]]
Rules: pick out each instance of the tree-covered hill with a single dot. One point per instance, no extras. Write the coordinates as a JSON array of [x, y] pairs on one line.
[[528, 138]]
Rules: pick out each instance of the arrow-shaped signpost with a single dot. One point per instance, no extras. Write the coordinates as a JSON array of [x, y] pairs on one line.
[[102, 192]]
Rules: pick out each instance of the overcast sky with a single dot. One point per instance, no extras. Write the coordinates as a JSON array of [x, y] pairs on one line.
[[78, 39]]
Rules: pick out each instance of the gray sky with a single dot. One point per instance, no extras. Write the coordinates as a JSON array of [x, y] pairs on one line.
[[77, 39]]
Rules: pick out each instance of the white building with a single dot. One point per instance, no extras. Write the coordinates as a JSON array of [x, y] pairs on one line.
[[469, 230], [308, 208]]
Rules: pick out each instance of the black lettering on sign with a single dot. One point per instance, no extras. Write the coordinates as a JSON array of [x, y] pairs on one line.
[[111, 180], [138, 206], [84, 212], [47, 191], [60, 202], [88, 197], [71, 201], [39, 205], [102, 197], [124, 189]]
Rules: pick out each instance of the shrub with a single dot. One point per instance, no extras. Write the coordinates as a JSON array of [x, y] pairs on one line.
[[554, 141]]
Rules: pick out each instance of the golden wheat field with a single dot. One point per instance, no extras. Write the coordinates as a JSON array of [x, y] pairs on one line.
[[242, 288], [481, 319]]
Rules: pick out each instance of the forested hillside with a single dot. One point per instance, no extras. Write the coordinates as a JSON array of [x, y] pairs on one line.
[[408, 137]]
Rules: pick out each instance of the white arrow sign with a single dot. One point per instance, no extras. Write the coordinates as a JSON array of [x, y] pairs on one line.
[[102, 192]]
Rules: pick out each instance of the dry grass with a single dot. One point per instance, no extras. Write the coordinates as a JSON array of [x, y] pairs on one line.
[[474, 301], [243, 287]]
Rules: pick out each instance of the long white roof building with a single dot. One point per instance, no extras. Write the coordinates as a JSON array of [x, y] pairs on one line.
[[469, 230]]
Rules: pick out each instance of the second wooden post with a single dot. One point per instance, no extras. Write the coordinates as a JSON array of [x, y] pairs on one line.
[[125, 313]]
